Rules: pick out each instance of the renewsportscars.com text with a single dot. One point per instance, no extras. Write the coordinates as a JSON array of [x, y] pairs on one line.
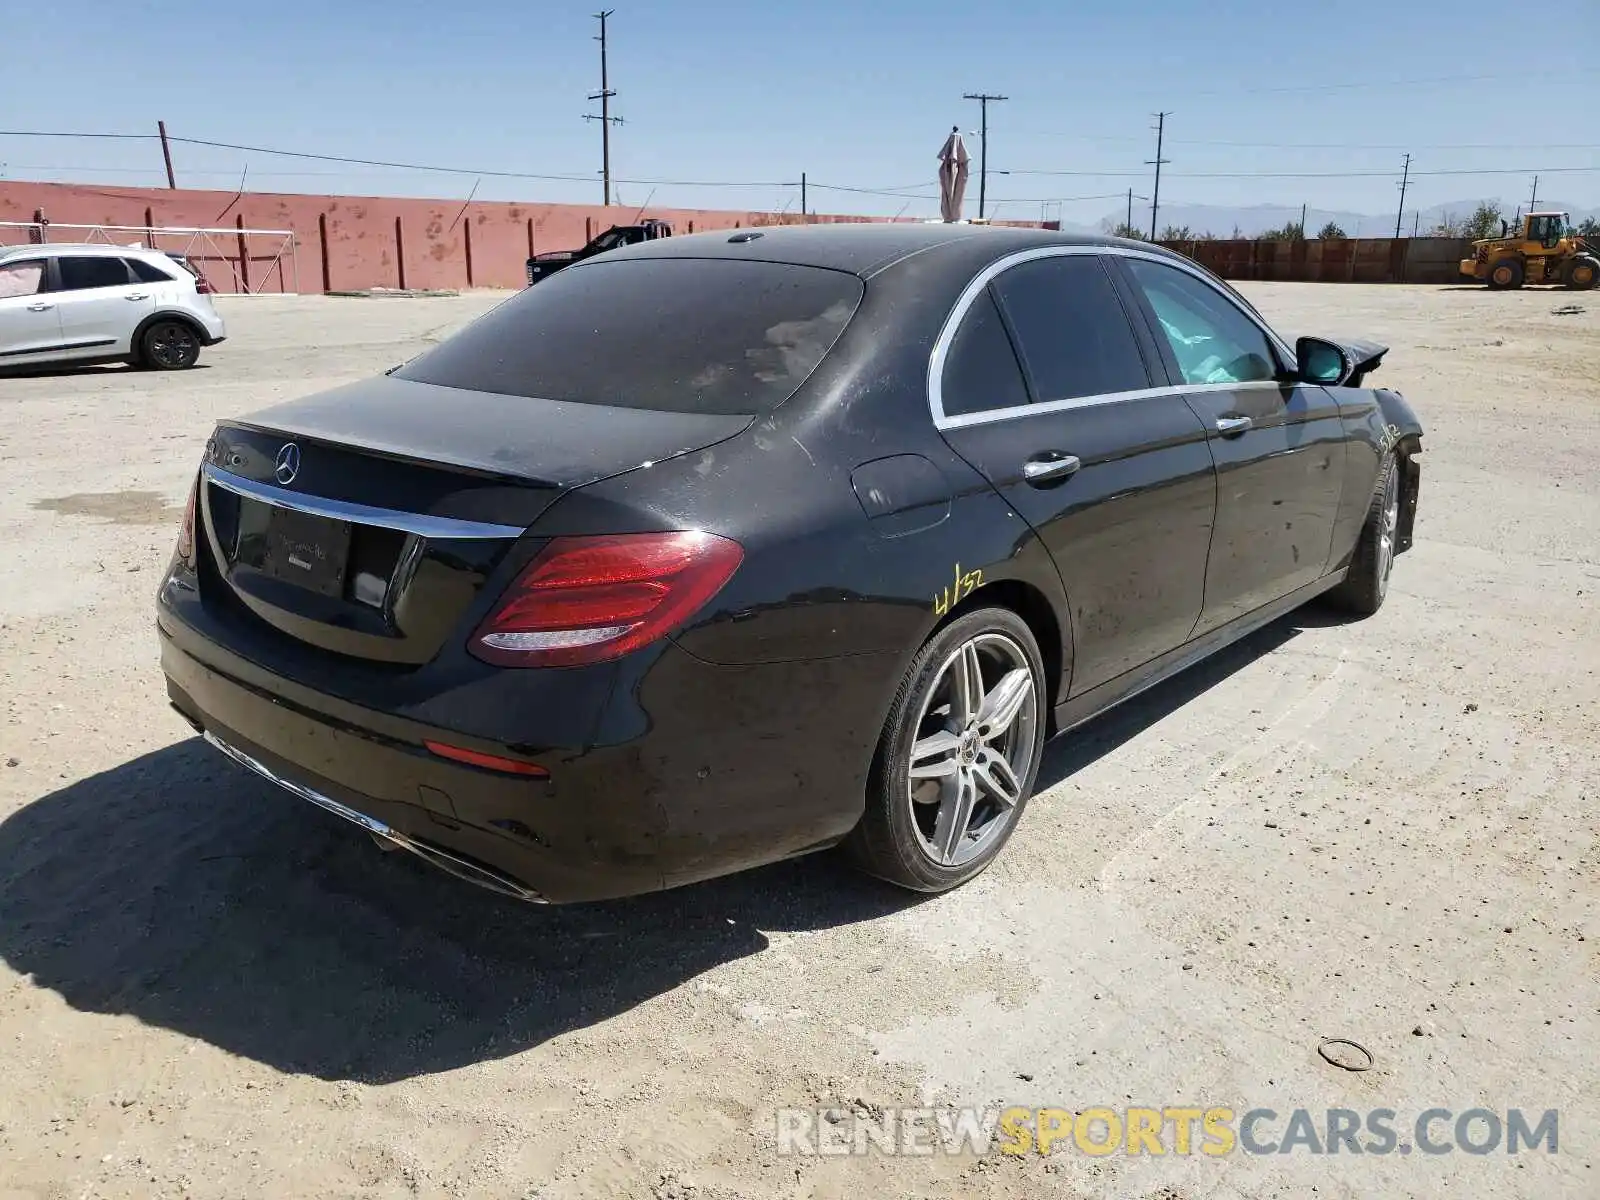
[[1182, 1130]]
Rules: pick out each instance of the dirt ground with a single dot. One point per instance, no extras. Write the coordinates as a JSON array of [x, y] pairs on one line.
[[1382, 830]]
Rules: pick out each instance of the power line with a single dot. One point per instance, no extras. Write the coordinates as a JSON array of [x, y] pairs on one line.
[[1314, 174], [1358, 84], [1128, 139], [914, 191], [45, 133]]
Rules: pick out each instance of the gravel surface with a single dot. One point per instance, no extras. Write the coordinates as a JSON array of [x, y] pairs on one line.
[[1383, 830]]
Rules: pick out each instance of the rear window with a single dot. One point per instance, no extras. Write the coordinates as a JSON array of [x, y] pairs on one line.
[[718, 336], [147, 272]]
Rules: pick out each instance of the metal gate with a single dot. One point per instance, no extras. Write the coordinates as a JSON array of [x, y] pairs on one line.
[[261, 260]]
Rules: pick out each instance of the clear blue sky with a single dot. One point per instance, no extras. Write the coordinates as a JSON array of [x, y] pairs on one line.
[[857, 93]]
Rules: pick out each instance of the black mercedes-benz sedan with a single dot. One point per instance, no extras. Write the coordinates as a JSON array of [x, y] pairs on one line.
[[722, 549]]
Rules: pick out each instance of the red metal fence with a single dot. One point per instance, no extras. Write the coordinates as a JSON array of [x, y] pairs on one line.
[[1334, 260]]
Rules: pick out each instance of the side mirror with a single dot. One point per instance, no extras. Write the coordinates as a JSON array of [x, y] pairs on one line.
[[1318, 361]]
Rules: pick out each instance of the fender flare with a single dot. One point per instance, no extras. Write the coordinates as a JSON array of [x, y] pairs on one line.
[[167, 314]]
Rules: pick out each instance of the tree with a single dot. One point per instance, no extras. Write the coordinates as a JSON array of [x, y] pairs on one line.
[[1120, 229], [1177, 233], [1330, 230], [1589, 227], [1484, 221], [1292, 231], [1450, 227]]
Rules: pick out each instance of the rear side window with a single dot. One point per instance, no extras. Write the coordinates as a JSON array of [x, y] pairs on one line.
[[1072, 332], [719, 336], [146, 272], [21, 279], [981, 372], [92, 272]]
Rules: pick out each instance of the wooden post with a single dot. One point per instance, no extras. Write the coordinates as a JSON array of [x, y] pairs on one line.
[[166, 154], [467, 235], [588, 230], [244, 253], [149, 228], [691, 226], [322, 236], [400, 253]]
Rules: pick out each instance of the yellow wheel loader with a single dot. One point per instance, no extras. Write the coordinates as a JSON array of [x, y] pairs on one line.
[[1545, 250]]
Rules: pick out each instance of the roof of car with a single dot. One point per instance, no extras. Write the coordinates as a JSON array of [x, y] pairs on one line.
[[861, 248], [54, 249]]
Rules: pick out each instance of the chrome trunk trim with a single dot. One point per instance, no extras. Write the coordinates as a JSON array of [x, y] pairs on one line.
[[421, 524]]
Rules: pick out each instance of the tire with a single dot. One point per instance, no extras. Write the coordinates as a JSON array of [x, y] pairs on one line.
[[1581, 273], [1505, 275], [1367, 583], [944, 830], [169, 345]]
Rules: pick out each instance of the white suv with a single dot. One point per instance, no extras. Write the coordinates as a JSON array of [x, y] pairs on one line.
[[83, 304]]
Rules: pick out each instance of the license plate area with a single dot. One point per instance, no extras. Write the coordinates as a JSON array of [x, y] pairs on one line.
[[308, 551]]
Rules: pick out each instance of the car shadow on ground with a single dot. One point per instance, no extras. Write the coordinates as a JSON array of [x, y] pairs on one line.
[[1093, 740], [182, 891], [57, 370]]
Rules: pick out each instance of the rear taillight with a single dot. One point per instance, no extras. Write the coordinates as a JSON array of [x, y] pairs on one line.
[[591, 599], [186, 530], [203, 286]]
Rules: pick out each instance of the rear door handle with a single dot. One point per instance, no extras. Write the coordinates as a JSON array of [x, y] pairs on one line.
[[1233, 426], [40, 307], [1050, 466], [137, 296]]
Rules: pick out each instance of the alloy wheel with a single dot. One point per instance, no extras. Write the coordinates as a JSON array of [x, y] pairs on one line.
[[975, 741], [172, 345], [1387, 531]]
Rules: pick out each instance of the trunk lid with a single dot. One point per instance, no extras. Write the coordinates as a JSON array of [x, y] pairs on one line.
[[365, 520]]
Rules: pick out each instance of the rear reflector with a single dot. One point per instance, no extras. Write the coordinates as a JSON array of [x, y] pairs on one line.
[[186, 530], [592, 599], [490, 762]]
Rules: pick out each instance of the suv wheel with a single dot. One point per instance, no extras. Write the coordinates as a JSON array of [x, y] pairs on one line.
[[169, 346]]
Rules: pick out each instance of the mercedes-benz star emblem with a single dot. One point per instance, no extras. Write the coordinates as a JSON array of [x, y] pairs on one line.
[[288, 464]]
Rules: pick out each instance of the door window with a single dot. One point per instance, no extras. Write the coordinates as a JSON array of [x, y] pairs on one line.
[[1072, 333], [92, 271], [1212, 340], [981, 373], [21, 279]]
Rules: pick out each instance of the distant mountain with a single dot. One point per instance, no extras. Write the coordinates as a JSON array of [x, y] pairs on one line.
[[1257, 219]]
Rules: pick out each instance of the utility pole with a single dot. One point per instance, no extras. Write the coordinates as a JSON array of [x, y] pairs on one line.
[[605, 118], [1416, 220], [983, 99], [802, 193], [1405, 178], [1128, 224], [166, 153], [1533, 200], [1155, 195], [1302, 221]]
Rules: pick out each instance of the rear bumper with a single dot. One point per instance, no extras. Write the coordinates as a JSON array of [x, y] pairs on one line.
[[697, 771], [213, 328]]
